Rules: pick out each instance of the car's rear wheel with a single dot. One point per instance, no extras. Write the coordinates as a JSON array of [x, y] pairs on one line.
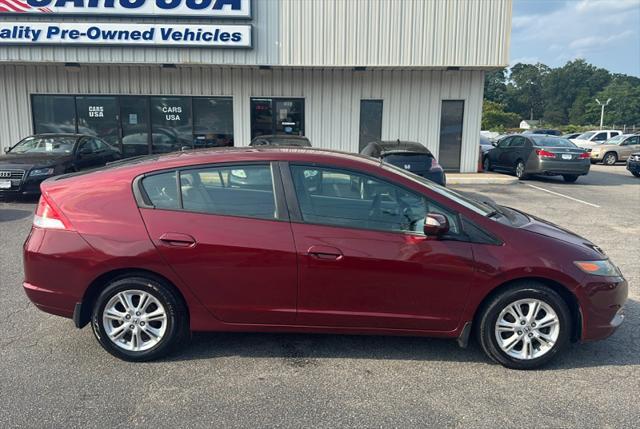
[[486, 164], [610, 158], [520, 170], [138, 319], [524, 326], [570, 178]]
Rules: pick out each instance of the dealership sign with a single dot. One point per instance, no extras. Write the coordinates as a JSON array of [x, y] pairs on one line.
[[77, 33], [164, 8]]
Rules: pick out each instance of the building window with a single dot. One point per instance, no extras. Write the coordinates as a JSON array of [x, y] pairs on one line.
[[99, 116], [370, 122], [452, 115], [171, 124], [213, 122], [53, 114], [277, 116]]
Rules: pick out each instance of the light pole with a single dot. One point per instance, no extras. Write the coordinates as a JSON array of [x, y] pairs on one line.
[[602, 111]]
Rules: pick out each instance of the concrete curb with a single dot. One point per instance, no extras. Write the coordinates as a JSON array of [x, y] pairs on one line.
[[480, 179]]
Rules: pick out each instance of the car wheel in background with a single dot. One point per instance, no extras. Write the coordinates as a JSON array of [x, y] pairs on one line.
[[635, 173], [520, 170], [138, 319], [570, 178], [610, 158], [486, 164], [524, 326]]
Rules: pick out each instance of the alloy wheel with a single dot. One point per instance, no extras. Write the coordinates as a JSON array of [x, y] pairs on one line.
[[134, 320], [520, 169], [527, 329], [610, 159]]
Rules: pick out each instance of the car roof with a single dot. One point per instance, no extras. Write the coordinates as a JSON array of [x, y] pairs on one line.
[[385, 147], [280, 137]]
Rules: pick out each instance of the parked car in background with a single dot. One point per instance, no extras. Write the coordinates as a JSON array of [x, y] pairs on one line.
[[570, 136], [411, 156], [618, 148], [38, 157], [591, 138], [485, 145], [280, 140], [544, 131], [633, 164], [327, 243], [538, 154]]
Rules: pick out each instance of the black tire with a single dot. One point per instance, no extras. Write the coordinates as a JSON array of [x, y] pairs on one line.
[[636, 173], [610, 158], [490, 312], [486, 164], [520, 168], [176, 317], [570, 178]]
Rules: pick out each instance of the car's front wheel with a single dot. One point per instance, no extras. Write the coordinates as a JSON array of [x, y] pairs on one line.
[[524, 326], [636, 173], [610, 158], [486, 164], [138, 319]]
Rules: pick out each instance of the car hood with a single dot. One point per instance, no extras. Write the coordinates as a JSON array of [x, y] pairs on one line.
[[26, 161], [548, 229]]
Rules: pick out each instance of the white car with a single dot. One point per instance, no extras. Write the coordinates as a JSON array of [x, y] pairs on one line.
[[591, 138]]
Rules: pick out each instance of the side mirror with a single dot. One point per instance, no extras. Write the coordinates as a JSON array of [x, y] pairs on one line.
[[435, 225], [7, 149], [494, 144], [185, 148]]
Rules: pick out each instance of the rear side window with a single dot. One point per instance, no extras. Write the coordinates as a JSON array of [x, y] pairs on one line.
[[238, 190], [162, 190]]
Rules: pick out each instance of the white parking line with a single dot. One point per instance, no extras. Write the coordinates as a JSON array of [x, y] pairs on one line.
[[564, 196]]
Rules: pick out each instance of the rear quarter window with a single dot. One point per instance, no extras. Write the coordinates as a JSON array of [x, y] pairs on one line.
[[162, 190]]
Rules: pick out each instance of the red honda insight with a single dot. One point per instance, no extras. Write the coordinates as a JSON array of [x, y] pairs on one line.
[[303, 240]]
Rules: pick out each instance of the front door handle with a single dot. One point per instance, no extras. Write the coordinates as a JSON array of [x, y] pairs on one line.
[[175, 239], [325, 253]]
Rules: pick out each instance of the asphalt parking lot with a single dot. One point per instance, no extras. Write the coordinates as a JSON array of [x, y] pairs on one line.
[[52, 375]]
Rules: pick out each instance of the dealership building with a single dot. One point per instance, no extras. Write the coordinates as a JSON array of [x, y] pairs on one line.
[[153, 76]]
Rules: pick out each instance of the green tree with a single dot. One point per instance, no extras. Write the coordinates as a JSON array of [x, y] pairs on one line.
[[525, 89], [495, 118], [495, 87], [624, 108]]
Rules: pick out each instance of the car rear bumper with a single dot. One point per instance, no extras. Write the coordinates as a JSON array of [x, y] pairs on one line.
[[554, 167], [50, 301], [602, 306]]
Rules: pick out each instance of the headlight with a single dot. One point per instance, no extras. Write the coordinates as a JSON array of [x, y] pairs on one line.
[[41, 172], [599, 268]]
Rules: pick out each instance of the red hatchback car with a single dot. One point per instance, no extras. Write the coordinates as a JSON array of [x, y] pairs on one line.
[[304, 240]]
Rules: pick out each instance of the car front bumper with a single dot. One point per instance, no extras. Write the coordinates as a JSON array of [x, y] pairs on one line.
[[633, 166], [27, 186], [602, 307]]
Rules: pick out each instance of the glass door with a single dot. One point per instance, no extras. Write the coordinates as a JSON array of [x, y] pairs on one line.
[[98, 116], [134, 114], [277, 116], [451, 118]]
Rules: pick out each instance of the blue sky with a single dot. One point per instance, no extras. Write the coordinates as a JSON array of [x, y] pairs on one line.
[[605, 33]]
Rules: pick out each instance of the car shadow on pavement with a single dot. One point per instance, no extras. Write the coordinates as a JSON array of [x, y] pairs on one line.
[[8, 215], [300, 350], [595, 178]]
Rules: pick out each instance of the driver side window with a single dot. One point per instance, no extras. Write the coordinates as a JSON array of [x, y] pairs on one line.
[[344, 198]]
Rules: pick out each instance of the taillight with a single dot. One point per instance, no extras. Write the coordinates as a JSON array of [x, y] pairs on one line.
[[435, 165], [545, 154], [48, 217], [584, 155]]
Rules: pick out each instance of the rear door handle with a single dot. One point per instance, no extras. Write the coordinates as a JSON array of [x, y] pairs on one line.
[[175, 239], [325, 253]]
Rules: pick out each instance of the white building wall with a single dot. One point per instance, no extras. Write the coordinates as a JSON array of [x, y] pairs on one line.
[[411, 109]]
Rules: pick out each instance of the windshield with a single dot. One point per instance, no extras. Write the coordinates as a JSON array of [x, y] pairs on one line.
[[45, 145], [543, 141], [585, 136], [474, 205], [616, 140]]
